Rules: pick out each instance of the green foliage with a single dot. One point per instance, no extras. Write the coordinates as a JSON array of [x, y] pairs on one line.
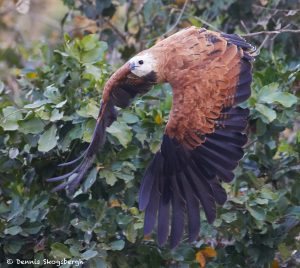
[[53, 119]]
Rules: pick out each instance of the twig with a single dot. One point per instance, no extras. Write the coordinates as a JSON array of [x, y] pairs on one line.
[[115, 29], [178, 19], [129, 3], [244, 26], [272, 32], [257, 52], [2, 13], [80, 28], [207, 23], [250, 143], [139, 10], [276, 9]]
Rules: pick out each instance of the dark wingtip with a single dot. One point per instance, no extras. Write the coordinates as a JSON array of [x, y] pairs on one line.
[[105, 119], [163, 222], [74, 181], [59, 178], [151, 175], [84, 168], [75, 160], [239, 41]]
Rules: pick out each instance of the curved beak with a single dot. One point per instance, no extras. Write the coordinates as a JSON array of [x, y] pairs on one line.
[[132, 66]]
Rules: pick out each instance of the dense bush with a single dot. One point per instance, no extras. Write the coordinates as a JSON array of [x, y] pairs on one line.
[[51, 120]]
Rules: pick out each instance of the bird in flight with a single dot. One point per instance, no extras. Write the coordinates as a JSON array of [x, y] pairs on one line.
[[210, 74]]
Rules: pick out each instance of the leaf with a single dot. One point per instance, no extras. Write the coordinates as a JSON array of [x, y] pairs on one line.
[[9, 125], [200, 259], [61, 104], [12, 113], [11, 116], [130, 233], [36, 104], [261, 201], [93, 70], [89, 130], [32, 126], [60, 251], [286, 99], [129, 118], [275, 264], [229, 217], [13, 153], [4, 208], [272, 94], [89, 254], [56, 115], [52, 94], [89, 25], [109, 176], [158, 119], [90, 180], [13, 230], [48, 139], [75, 133], [268, 113], [209, 252], [89, 42], [14, 246], [94, 55], [97, 263], [285, 253], [267, 193], [34, 229], [134, 211], [117, 245], [123, 176], [114, 203], [91, 109], [154, 146], [257, 213], [102, 4], [31, 75], [121, 131]]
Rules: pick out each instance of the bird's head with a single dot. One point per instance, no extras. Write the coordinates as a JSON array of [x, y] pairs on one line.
[[143, 64]]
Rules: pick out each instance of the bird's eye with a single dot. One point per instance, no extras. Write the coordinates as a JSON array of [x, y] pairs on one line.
[[141, 62]]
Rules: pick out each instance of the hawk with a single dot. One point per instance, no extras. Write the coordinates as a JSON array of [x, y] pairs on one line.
[[210, 74]]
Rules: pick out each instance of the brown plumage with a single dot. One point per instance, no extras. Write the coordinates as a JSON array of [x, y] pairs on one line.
[[210, 73]]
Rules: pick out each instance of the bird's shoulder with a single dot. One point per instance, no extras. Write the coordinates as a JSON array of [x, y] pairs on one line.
[[190, 49]]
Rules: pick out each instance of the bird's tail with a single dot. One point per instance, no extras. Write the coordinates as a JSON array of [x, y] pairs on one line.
[[107, 115]]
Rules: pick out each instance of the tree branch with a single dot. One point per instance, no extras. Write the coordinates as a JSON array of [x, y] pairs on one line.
[[115, 29], [276, 9], [178, 19], [4, 12], [272, 32], [207, 23], [257, 52]]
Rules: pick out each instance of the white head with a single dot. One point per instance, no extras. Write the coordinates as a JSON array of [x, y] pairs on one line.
[[143, 64]]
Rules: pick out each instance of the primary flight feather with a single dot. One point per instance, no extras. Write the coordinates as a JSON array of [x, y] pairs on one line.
[[210, 74]]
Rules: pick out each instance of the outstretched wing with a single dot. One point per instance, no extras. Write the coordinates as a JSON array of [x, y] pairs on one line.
[[120, 89], [204, 136]]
